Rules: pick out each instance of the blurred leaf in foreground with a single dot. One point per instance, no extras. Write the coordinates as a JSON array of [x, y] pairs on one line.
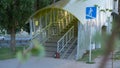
[[23, 57], [38, 49], [97, 37], [117, 44]]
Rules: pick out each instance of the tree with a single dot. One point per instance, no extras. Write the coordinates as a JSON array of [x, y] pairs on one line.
[[41, 3], [13, 14]]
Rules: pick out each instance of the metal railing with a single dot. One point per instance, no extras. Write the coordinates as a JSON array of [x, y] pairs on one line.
[[44, 33], [65, 39]]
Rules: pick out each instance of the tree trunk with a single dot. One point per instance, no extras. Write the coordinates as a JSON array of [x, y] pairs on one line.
[[37, 5], [54, 1], [12, 42]]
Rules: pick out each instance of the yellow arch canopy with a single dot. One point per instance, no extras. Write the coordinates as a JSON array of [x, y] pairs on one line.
[[76, 7]]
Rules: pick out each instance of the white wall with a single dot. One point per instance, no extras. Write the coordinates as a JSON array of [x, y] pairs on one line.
[[78, 9]]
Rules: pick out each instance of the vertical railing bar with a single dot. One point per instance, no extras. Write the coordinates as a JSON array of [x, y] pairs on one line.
[[62, 39]]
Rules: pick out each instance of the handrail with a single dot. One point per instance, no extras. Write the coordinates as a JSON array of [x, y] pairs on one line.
[[49, 26], [65, 39], [44, 28], [37, 33], [71, 45]]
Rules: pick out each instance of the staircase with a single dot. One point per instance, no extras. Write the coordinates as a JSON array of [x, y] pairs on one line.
[[51, 44], [70, 52], [73, 22]]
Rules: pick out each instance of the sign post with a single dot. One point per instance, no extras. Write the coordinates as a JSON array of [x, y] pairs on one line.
[[90, 14]]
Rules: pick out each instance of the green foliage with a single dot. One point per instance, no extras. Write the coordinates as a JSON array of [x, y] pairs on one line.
[[105, 10], [102, 10], [97, 37], [84, 0], [23, 57], [13, 15], [110, 10], [15, 12], [117, 49], [117, 56], [97, 5], [36, 50], [95, 53], [42, 3], [117, 44], [5, 53], [90, 62]]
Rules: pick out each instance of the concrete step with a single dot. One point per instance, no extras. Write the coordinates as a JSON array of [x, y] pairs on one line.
[[50, 54], [51, 49], [50, 44], [53, 39]]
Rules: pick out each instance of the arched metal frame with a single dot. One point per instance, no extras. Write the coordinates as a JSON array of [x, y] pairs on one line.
[[49, 18]]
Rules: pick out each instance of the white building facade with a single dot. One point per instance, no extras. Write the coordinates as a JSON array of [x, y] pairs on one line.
[[86, 27]]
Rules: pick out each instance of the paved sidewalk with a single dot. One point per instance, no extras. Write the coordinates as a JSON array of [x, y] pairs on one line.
[[53, 63]]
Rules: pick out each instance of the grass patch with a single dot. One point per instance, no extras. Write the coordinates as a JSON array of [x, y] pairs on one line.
[[90, 62], [95, 53], [5, 53]]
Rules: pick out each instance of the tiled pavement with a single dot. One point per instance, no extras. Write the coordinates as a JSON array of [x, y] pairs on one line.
[[53, 63]]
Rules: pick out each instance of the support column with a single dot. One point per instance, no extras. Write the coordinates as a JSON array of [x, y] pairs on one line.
[[33, 24], [30, 22], [78, 45]]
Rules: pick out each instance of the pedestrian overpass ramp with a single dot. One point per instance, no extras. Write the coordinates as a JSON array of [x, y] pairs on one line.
[[57, 30], [62, 28]]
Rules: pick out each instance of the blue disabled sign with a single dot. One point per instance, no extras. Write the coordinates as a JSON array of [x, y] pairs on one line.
[[91, 12]]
